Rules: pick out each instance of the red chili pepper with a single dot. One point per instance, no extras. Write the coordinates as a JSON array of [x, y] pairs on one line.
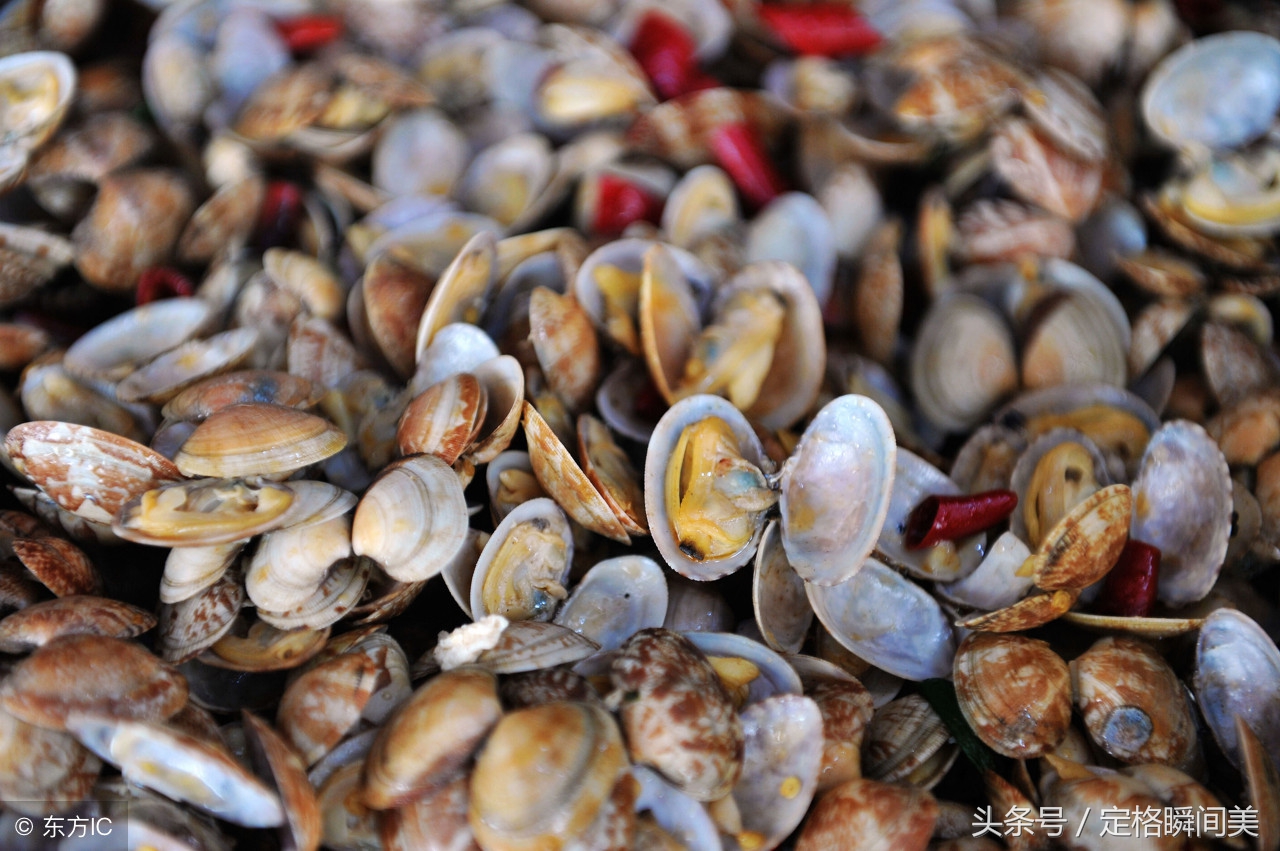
[[820, 29], [278, 217], [306, 33], [665, 51], [160, 282], [619, 202], [950, 518], [739, 153], [1130, 587]]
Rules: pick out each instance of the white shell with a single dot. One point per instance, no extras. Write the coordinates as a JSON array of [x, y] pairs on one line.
[[915, 479], [784, 748], [781, 606], [541, 508], [996, 582], [795, 228], [616, 599], [836, 489], [1238, 673], [888, 620], [666, 435], [412, 520], [776, 676]]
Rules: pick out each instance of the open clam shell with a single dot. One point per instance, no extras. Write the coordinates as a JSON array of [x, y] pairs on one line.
[[1238, 674], [888, 620], [202, 512], [617, 598], [524, 567], [776, 676], [836, 489], [781, 607], [913, 480], [1182, 504], [780, 764], [113, 349], [684, 415]]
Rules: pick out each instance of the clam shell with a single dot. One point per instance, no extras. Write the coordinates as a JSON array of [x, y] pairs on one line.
[[1237, 673], [903, 817], [503, 381], [678, 716], [428, 742], [781, 607], [996, 582], [849, 444], [544, 775], [334, 597], [265, 648], [85, 470], [167, 375], [534, 645], [275, 760], [91, 673], [957, 393], [60, 565], [324, 703], [1182, 504], [565, 342], [457, 347], [462, 292], [256, 439], [888, 620], [666, 435], [1085, 544], [181, 767], [615, 599], [444, 419], [525, 565], [238, 388], [200, 621], [425, 493], [564, 480], [776, 675], [202, 512], [1014, 691], [780, 763], [40, 623], [794, 228], [907, 742], [913, 480]]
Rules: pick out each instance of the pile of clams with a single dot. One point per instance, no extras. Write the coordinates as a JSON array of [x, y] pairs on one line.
[[590, 426]]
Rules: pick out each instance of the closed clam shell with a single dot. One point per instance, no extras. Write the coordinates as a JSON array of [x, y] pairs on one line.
[[888, 620], [91, 673], [202, 512], [956, 393], [225, 219], [563, 479], [1014, 691], [274, 759], [523, 569], [907, 742], [430, 739], [615, 599], [257, 439], [191, 625], [846, 709], [86, 470], [676, 713], [444, 419], [662, 447], [868, 814], [238, 388], [40, 769], [780, 763], [335, 596], [60, 565], [1133, 703], [1182, 505], [781, 606], [41, 623], [182, 767], [424, 493], [1237, 673], [848, 445], [544, 775], [324, 703]]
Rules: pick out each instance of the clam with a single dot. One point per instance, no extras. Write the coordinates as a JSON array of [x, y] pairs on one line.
[[524, 567], [202, 512], [424, 494], [113, 349], [913, 480], [1014, 691], [190, 626], [1238, 674], [956, 393], [705, 488], [780, 763], [324, 703], [40, 623], [896, 816], [676, 713], [1191, 533], [1133, 703], [238, 388], [167, 375], [39, 87], [444, 419], [888, 620], [543, 776], [258, 440], [615, 599], [907, 742], [782, 609]]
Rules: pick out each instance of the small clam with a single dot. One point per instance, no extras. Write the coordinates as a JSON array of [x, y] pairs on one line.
[[91, 673], [615, 599], [544, 775], [846, 709], [1133, 703], [257, 439], [1237, 673], [324, 703], [423, 493], [166, 376], [444, 419], [676, 713], [524, 567], [780, 764], [782, 609], [1014, 691], [907, 742], [956, 393], [200, 621], [202, 512], [38, 624], [274, 759], [238, 388], [897, 816]]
